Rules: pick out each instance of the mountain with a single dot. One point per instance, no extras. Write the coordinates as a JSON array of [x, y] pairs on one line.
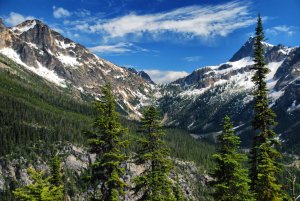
[[199, 101], [47, 85], [142, 74], [69, 65], [39, 119]]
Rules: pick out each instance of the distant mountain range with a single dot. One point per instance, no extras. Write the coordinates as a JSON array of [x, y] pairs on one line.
[[197, 102]]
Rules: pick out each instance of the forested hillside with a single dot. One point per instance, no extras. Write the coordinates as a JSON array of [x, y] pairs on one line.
[[39, 119]]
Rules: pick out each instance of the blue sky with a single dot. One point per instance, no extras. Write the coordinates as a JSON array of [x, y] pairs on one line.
[[167, 38]]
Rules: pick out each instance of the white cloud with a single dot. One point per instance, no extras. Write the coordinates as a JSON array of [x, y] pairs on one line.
[[201, 21], [161, 77], [118, 48], [82, 13], [60, 12], [16, 18], [82, 26], [289, 30], [192, 58]]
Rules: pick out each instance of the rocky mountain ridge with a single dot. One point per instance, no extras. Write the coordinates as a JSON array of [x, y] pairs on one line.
[[69, 65], [199, 101]]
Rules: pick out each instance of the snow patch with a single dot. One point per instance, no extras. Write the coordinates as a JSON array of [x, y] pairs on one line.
[[273, 95], [293, 107], [273, 66], [194, 92], [68, 60], [19, 29], [247, 61], [80, 89], [268, 44], [64, 45], [101, 62], [41, 70], [32, 45], [49, 75]]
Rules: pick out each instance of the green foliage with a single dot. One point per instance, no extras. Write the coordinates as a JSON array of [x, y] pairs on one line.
[[40, 190], [33, 110], [264, 156], [231, 179], [187, 148], [154, 183], [56, 177], [108, 143]]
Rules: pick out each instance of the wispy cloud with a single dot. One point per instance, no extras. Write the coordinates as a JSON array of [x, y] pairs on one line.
[[118, 48], [16, 18], [162, 77], [59, 12], [192, 58], [82, 13], [282, 29], [201, 21]]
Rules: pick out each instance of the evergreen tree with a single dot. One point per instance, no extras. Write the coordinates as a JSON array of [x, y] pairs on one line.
[[108, 143], [264, 156], [56, 178], [40, 190], [231, 179], [154, 183]]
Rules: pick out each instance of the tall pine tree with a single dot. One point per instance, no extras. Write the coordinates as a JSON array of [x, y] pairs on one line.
[[108, 143], [231, 179], [154, 183], [264, 156]]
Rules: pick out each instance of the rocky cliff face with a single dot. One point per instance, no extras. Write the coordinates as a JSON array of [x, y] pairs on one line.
[[75, 161], [142, 74], [70, 65], [199, 101]]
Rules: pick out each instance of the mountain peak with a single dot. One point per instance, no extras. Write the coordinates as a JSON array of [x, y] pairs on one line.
[[25, 26], [47, 53], [142, 74], [245, 51]]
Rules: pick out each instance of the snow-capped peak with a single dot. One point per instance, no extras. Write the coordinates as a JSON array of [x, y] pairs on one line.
[[23, 27], [267, 44]]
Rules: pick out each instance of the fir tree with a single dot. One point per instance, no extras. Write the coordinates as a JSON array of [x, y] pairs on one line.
[[154, 183], [56, 178], [231, 179], [108, 143], [40, 190], [264, 156]]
